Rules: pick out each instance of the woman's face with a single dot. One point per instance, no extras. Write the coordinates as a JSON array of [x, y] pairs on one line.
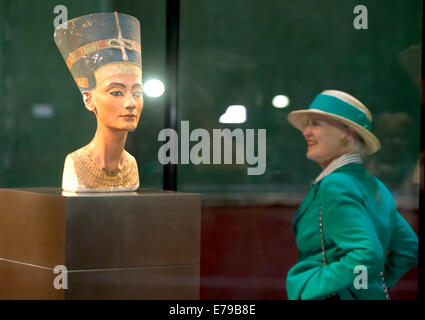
[[118, 101], [323, 138]]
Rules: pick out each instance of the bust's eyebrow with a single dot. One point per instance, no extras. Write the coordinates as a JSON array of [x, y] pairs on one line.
[[116, 84], [113, 84]]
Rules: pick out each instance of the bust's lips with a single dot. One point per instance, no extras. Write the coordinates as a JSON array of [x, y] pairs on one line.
[[128, 116]]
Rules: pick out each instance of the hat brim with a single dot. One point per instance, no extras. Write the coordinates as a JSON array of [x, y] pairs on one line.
[[299, 118]]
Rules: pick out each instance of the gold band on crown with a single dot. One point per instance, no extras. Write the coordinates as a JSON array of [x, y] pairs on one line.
[[101, 44]]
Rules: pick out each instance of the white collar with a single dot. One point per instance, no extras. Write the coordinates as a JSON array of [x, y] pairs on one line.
[[337, 163]]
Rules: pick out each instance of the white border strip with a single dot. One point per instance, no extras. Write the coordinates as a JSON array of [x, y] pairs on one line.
[[26, 264]]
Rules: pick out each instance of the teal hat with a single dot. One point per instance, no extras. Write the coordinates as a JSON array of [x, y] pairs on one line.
[[90, 42], [344, 108]]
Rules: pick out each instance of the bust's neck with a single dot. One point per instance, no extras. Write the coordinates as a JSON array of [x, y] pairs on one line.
[[107, 148]]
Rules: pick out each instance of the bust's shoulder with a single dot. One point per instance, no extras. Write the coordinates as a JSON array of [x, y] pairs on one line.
[[77, 152], [130, 158], [69, 159], [75, 155], [69, 179], [128, 155]]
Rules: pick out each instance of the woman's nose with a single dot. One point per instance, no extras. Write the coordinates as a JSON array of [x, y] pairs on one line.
[[307, 131]]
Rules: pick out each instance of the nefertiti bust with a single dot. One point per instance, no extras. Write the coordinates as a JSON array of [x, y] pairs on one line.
[[103, 53]]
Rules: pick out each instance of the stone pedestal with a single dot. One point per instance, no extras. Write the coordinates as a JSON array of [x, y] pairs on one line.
[[135, 245]]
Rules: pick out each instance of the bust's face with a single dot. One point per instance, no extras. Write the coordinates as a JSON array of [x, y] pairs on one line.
[[118, 101]]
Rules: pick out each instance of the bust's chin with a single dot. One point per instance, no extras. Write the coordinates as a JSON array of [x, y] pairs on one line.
[[131, 129], [122, 129], [127, 128]]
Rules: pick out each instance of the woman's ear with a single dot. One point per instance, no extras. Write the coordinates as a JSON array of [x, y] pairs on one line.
[[351, 133], [88, 101], [351, 137]]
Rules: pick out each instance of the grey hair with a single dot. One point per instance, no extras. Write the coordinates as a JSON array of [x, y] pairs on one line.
[[359, 144]]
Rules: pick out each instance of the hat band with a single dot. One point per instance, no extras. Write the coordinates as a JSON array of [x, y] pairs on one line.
[[341, 108]]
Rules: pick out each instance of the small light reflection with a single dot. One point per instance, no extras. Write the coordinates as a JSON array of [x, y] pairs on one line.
[[42, 110], [280, 101], [154, 88], [234, 114]]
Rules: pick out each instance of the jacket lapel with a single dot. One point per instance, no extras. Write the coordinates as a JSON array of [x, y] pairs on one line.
[[305, 204], [312, 193]]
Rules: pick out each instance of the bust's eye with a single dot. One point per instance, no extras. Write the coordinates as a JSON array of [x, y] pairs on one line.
[[137, 93], [116, 93]]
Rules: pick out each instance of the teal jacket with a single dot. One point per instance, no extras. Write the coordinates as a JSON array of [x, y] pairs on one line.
[[361, 227]]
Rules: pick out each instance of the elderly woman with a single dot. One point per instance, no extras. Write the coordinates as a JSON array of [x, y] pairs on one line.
[[352, 243], [103, 53]]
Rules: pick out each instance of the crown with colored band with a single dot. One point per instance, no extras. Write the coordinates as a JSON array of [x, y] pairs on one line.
[[93, 41], [338, 107]]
